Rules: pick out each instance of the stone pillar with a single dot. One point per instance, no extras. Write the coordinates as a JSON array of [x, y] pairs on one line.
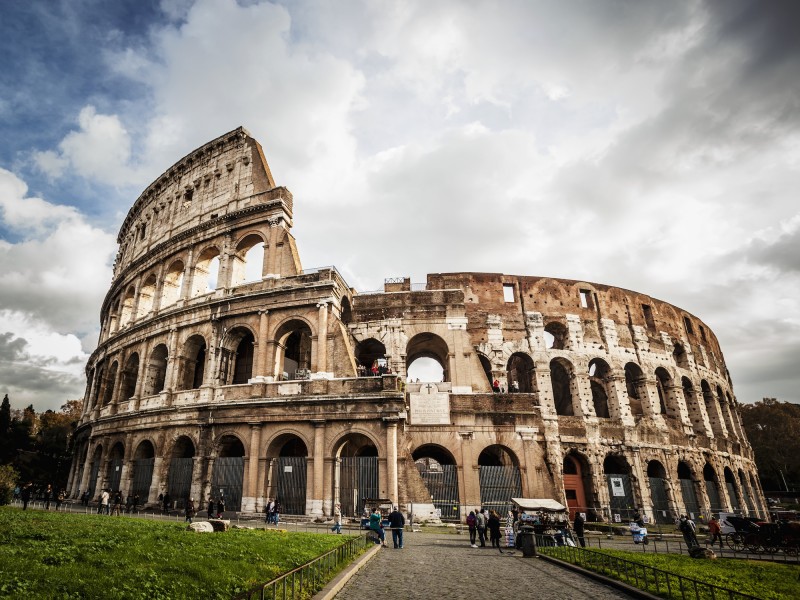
[[469, 481], [158, 291], [225, 264], [173, 365], [262, 347], [251, 494], [391, 458], [322, 341], [87, 467], [155, 483], [188, 276], [318, 490], [142, 374], [618, 406]]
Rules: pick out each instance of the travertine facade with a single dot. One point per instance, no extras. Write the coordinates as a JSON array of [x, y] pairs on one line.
[[225, 368]]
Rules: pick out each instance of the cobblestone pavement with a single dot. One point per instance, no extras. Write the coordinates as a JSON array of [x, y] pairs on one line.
[[434, 566]]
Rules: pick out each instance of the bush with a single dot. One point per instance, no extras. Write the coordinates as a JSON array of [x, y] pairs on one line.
[[8, 479]]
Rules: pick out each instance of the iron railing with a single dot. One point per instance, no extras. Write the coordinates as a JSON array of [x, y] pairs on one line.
[[645, 577], [306, 580]]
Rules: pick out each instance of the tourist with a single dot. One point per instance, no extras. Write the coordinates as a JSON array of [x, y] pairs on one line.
[[276, 515], [397, 521], [514, 387], [136, 502], [269, 510], [210, 507], [166, 500], [189, 510], [337, 518], [688, 529], [48, 494], [480, 524], [26, 495], [60, 499], [376, 525], [473, 528], [578, 526], [220, 507], [493, 525], [715, 531], [104, 507], [496, 386]]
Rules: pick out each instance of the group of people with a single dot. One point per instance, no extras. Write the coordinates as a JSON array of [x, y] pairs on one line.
[[481, 522], [397, 522], [215, 507], [513, 387], [376, 370], [48, 495], [272, 512]]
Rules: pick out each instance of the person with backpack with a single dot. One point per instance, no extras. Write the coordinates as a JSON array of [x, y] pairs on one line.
[[688, 529], [473, 528], [480, 524]]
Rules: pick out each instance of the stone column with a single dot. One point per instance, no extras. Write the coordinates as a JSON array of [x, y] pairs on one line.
[[87, 467], [322, 341], [391, 458], [142, 374], [173, 364], [158, 291], [318, 490], [251, 495], [225, 264], [155, 483], [469, 481], [261, 348]]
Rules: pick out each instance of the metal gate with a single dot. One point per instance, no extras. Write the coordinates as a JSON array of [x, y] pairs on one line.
[[620, 494], [714, 502], [442, 483], [227, 481], [689, 498], [95, 474], [114, 474], [290, 483], [358, 479], [658, 493], [142, 477], [179, 480], [732, 495], [498, 486]]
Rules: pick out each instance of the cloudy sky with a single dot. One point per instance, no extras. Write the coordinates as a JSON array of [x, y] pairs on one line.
[[649, 145]]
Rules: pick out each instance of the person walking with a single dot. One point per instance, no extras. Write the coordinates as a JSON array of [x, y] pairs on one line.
[[397, 522], [337, 518], [579, 525], [190, 511], [269, 509], [48, 495], [276, 515], [220, 507], [26, 496], [105, 497], [493, 525], [473, 528], [480, 524], [715, 531]]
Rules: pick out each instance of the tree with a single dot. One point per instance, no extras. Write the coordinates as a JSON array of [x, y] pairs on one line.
[[773, 428], [8, 479], [5, 429]]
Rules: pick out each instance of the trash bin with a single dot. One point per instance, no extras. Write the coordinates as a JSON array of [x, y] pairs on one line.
[[526, 541]]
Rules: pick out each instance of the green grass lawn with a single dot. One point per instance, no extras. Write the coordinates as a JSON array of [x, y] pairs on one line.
[[762, 579], [59, 555]]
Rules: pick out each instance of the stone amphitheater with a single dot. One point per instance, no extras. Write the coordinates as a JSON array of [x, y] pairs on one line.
[[226, 369]]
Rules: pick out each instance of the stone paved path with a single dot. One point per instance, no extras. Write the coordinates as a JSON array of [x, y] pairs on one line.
[[443, 566]]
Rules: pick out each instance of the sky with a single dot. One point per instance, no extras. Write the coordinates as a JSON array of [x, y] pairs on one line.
[[649, 145]]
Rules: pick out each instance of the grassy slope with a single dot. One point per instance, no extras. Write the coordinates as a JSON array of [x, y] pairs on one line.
[[58, 555]]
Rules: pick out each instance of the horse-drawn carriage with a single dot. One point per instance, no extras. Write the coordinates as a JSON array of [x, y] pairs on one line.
[[758, 537]]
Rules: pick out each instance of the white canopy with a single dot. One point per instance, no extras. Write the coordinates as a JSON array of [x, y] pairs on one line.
[[539, 504]]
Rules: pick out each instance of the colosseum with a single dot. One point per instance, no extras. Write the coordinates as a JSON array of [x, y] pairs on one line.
[[226, 368]]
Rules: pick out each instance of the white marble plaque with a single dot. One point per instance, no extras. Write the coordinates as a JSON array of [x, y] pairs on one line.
[[429, 406]]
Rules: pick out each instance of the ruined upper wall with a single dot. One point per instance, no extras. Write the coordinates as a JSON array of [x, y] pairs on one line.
[[225, 175]]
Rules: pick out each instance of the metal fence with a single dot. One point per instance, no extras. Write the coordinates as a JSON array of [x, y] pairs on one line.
[[645, 577], [311, 577]]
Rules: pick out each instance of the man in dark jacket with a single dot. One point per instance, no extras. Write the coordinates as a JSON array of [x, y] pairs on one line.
[[578, 526], [397, 521]]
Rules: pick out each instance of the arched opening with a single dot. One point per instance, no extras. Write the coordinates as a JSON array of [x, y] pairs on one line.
[[288, 477], [172, 284], [113, 317], [754, 488], [561, 380], [725, 411], [193, 362], [657, 475], [293, 359], [356, 474], [248, 261], [423, 352], [637, 388], [747, 494], [620, 491], [346, 315], [143, 460], [520, 370], [206, 272], [108, 385], [146, 296], [129, 376], [371, 357], [114, 471], [712, 491], [555, 336], [663, 383], [94, 472], [499, 477], [226, 481], [688, 491], [236, 360], [599, 376], [437, 467], [99, 382], [487, 368], [126, 309], [156, 371], [680, 356], [730, 486], [577, 484], [181, 465], [711, 409], [691, 404]]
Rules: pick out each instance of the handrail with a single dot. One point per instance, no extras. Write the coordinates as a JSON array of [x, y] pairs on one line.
[[650, 579], [303, 581]]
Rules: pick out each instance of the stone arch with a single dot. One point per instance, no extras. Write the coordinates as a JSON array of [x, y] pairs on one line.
[[428, 345], [108, 384], [562, 374], [577, 476], [172, 284], [192, 362], [156, 370], [206, 272], [556, 336], [237, 353], [663, 384], [747, 494], [686, 479], [113, 317], [181, 468], [248, 259], [439, 471], [130, 374], [147, 294], [370, 353], [346, 312], [680, 356], [287, 464], [116, 457], [636, 386], [143, 463], [689, 398], [94, 471], [712, 489], [711, 408], [356, 475], [657, 478], [486, 365], [617, 471], [99, 382], [730, 486], [227, 478], [521, 369], [126, 306], [599, 380], [294, 349], [499, 477]]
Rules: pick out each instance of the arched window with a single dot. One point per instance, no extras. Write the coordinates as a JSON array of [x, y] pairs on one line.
[[520, 370], [663, 383], [173, 281], [108, 386], [156, 371], [146, 296], [680, 356], [206, 272], [371, 357], [555, 336], [636, 387], [126, 310], [561, 380], [129, 376], [712, 409], [599, 373], [426, 354], [193, 361], [293, 359], [248, 261]]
